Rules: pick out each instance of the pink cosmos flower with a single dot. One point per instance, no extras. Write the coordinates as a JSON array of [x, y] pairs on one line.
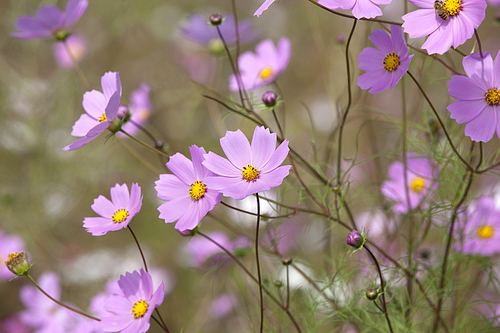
[[421, 177], [138, 111], [117, 213], [78, 48], [250, 168], [264, 66], [461, 18], [481, 228], [189, 198], [203, 252], [49, 20], [130, 311], [360, 8], [478, 96], [101, 109], [8, 245], [387, 65], [223, 305]]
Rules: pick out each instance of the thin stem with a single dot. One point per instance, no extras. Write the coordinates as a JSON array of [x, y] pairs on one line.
[[384, 306], [139, 247], [287, 304], [258, 265], [159, 323], [254, 214], [145, 131], [144, 144], [236, 29], [162, 325], [76, 66], [478, 43], [59, 303]]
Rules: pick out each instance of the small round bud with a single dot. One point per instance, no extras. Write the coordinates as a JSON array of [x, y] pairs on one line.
[[18, 263], [278, 283], [286, 260], [159, 144], [216, 19], [61, 35], [372, 294], [269, 98], [355, 239], [341, 38], [123, 113], [336, 189]]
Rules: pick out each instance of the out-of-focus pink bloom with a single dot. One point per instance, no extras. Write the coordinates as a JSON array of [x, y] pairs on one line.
[[13, 325], [360, 8], [138, 111], [78, 46], [8, 244], [201, 249], [223, 305], [283, 238], [50, 20]]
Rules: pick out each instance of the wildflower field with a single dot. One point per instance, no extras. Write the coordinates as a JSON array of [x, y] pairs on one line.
[[250, 166]]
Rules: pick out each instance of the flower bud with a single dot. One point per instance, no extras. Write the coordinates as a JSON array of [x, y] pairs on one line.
[[278, 283], [18, 263], [188, 233], [216, 19], [269, 98], [355, 239], [372, 294], [287, 261], [123, 113]]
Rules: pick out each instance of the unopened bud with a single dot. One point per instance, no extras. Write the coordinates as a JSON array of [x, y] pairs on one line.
[[355, 239], [286, 261], [188, 232], [278, 283], [372, 294], [215, 19], [269, 98], [18, 263]]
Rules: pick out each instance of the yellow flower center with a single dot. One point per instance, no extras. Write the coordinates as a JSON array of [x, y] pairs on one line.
[[197, 190], [139, 308], [486, 231], [391, 62], [250, 173], [493, 96], [417, 185], [453, 7], [102, 118], [120, 215], [266, 72]]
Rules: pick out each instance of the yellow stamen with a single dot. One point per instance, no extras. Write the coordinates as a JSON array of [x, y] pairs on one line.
[[120, 215], [139, 309], [453, 7], [266, 72], [197, 190], [486, 231], [417, 185], [250, 173], [493, 96], [102, 118], [391, 62]]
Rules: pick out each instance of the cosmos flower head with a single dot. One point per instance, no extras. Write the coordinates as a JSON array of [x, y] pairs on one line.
[[188, 196], [50, 21], [263, 66], [137, 112], [386, 65], [117, 213], [131, 310], [478, 96], [101, 110], [360, 8], [481, 229], [422, 177], [78, 46], [249, 168], [8, 244], [452, 27], [199, 31]]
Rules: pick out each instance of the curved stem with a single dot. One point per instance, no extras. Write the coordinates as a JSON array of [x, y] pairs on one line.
[[139, 247], [144, 144], [258, 265], [76, 66], [478, 43]]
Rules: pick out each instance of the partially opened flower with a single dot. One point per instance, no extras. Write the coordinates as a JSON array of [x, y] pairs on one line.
[[387, 65], [8, 245], [117, 213], [101, 110], [77, 46], [189, 198], [138, 111], [131, 311], [451, 24], [250, 168], [262, 67], [478, 96], [360, 8], [50, 20], [481, 228], [421, 176], [204, 34]]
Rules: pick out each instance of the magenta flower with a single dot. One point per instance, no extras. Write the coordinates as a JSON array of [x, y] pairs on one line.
[[78, 48], [264, 66], [117, 213], [138, 111], [250, 168], [49, 20], [478, 96], [189, 198], [387, 65], [360, 8], [101, 109], [453, 27], [421, 177], [8, 245], [201, 32], [203, 252], [481, 229], [130, 312]]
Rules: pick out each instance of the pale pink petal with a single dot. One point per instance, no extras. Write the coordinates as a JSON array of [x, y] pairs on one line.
[[263, 7], [280, 154], [366, 8], [169, 187], [94, 103], [237, 148], [466, 111], [221, 166], [262, 147], [182, 167], [83, 125], [103, 207], [120, 196], [464, 88], [482, 127], [420, 23], [74, 10]]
